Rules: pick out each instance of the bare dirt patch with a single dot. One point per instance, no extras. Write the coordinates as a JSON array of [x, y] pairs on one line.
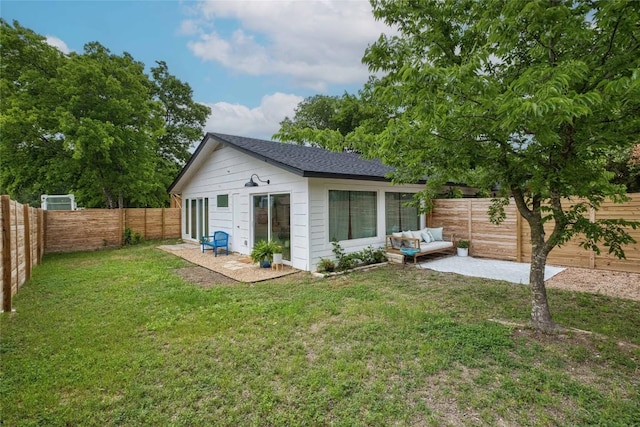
[[612, 283], [203, 277]]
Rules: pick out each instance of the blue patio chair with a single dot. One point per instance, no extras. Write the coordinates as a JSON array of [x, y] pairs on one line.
[[220, 239]]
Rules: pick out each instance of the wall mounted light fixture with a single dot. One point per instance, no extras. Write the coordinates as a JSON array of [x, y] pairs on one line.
[[252, 183]]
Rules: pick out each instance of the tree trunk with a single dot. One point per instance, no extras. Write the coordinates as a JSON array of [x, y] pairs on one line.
[[540, 314]]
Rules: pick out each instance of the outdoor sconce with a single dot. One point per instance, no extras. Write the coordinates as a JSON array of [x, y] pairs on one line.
[[252, 183]]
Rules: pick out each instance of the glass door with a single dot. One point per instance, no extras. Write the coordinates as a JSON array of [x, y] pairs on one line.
[[280, 222], [272, 220], [197, 217]]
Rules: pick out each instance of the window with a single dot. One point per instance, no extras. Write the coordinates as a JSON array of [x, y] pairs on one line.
[[352, 214], [186, 216], [399, 217], [196, 217], [223, 200]]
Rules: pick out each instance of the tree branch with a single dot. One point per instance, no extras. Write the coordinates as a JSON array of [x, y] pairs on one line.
[[613, 36]]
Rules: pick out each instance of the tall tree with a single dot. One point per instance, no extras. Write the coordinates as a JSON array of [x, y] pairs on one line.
[[183, 120], [91, 123], [111, 127], [325, 121], [531, 96], [32, 156]]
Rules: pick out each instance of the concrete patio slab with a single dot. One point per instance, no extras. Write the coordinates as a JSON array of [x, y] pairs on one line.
[[515, 272]]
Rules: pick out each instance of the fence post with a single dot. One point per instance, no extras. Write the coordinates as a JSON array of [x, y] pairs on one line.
[[27, 242], [469, 218], [6, 253], [122, 226], [40, 236], [518, 236], [17, 240], [592, 254], [162, 220]]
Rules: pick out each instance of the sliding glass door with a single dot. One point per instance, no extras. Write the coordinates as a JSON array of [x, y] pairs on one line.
[[272, 220]]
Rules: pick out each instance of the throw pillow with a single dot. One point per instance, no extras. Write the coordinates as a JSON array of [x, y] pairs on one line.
[[396, 243], [436, 233], [416, 234], [426, 236]]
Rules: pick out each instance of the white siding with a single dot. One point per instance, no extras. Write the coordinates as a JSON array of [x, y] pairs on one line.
[[225, 172], [319, 215]]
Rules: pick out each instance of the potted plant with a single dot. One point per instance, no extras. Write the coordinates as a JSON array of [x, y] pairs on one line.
[[262, 252], [463, 247]]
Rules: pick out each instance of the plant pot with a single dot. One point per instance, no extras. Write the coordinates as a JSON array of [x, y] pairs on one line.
[[265, 263], [277, 258], [463, 251]]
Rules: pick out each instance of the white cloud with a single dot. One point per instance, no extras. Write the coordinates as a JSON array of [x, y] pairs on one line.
[[59, 44], [314, 42], [188, 27], [260, 122]]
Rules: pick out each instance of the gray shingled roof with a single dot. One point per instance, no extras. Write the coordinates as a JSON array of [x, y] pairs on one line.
[[298, 159], [309, 161]]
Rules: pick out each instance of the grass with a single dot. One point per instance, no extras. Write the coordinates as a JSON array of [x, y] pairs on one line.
[[116, 338]]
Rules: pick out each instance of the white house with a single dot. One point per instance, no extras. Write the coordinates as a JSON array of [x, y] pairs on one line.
[[302, 197]]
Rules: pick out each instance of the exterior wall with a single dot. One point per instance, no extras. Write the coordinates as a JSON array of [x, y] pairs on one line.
[[320, 246], [225, 172]]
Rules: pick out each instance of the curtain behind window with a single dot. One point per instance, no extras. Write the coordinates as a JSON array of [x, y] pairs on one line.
[[352, 214], [399, 217]]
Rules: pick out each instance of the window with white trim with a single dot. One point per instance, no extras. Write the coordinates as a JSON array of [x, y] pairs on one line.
[[352, 214]]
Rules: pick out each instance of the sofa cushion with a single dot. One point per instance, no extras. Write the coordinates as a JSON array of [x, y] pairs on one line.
[[416, 234], [434, 246]]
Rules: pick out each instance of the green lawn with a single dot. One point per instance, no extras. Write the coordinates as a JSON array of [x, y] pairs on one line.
[[116, 338]]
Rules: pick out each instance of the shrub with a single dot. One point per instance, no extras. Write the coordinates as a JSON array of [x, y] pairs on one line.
[[131, 238], [326, 265], [367, 256], [463, 244]]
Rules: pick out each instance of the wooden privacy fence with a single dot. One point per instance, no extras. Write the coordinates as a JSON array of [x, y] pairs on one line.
[[28, 233], [91, 229], [511, 240], [21, 247]]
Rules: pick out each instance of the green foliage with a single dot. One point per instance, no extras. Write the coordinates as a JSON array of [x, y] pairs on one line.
[[345, 261], [533, 97], [453, 193], [482, 193], [131, 238], [91, 123], [264, 249], [183, 118], [463, 244], [626, 168], [324, 121], [326, 265]]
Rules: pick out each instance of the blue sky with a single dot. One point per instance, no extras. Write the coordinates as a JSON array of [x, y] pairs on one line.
[[252, 62]]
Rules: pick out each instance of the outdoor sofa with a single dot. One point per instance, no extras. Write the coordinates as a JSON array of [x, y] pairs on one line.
[[416, 243]]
